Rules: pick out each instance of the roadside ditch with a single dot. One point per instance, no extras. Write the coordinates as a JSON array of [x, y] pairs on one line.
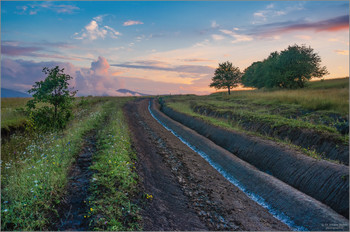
[[322, 180]]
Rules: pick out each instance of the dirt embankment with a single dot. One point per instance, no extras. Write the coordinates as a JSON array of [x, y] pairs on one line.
[[322, 180], [188, 194], [322, 143]]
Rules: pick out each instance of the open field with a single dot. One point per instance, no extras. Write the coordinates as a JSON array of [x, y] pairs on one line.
[[254, 160]]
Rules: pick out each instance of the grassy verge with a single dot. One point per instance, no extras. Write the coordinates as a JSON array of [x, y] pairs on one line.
[[232, 125], [33, 182], [114, 183]]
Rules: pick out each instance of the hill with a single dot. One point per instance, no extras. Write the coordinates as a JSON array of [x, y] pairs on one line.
[[133, 93], [5, 93]]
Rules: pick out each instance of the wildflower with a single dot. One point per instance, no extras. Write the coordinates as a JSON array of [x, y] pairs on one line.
[[5, 210], [91, 209]]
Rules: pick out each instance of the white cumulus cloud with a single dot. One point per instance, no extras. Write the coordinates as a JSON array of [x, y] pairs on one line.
[[95, 30]]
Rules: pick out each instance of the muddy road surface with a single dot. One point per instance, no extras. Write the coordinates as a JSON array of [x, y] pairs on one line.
[[188, 193], [74, 206]]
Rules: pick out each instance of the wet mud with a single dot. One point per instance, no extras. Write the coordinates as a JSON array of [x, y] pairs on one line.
[[74, 208]]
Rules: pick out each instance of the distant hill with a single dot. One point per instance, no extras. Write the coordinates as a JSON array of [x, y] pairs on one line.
[[12, 93], [127, 91]]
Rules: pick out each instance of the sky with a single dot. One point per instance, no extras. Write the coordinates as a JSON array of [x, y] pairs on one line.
[[161, 47]]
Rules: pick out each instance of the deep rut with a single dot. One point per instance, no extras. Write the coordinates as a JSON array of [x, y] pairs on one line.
[[73, 209]]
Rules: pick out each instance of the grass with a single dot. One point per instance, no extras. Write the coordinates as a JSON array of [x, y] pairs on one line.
[[236, 126], [115, 181], [330, 95], [34, 173], [33, 184], [10, 117], [322, 107]]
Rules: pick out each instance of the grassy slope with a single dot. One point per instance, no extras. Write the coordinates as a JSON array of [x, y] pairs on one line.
[[10, 117], [34, 174], [322, 107]]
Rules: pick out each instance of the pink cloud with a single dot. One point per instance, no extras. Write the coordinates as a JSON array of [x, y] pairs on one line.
[[98, 79], [18, 50], [100, 66], [131, 22], [329, 25], [12, 48], [342, 52]]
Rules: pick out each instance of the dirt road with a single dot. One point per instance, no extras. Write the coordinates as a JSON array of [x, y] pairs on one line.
[[188, 194]]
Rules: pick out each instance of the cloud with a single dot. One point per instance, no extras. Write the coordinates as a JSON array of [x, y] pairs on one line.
[[217, 37], [13, 49], [20, 75], [304, 37], [259, 14], [18, 50], [342, 52], [270, 11], [198, 60], [270, 6], [197, 69], [100, 66], [95, 30], [236, 36], [214, 24], [33, 9], [97, 80], [328, 25], [131, 22]]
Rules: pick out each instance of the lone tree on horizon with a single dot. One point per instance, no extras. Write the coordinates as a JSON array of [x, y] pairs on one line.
[[226, 76]]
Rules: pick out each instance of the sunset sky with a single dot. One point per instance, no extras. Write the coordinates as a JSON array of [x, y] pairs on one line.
[[161, 47]]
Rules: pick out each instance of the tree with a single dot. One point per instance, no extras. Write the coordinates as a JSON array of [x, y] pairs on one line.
[[298, 64], [291, 68], [57, 100], [226, 76]]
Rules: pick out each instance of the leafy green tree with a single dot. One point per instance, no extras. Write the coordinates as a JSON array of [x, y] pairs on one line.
[[226, 76], [298, 64], [291, 68], [54, 97]]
